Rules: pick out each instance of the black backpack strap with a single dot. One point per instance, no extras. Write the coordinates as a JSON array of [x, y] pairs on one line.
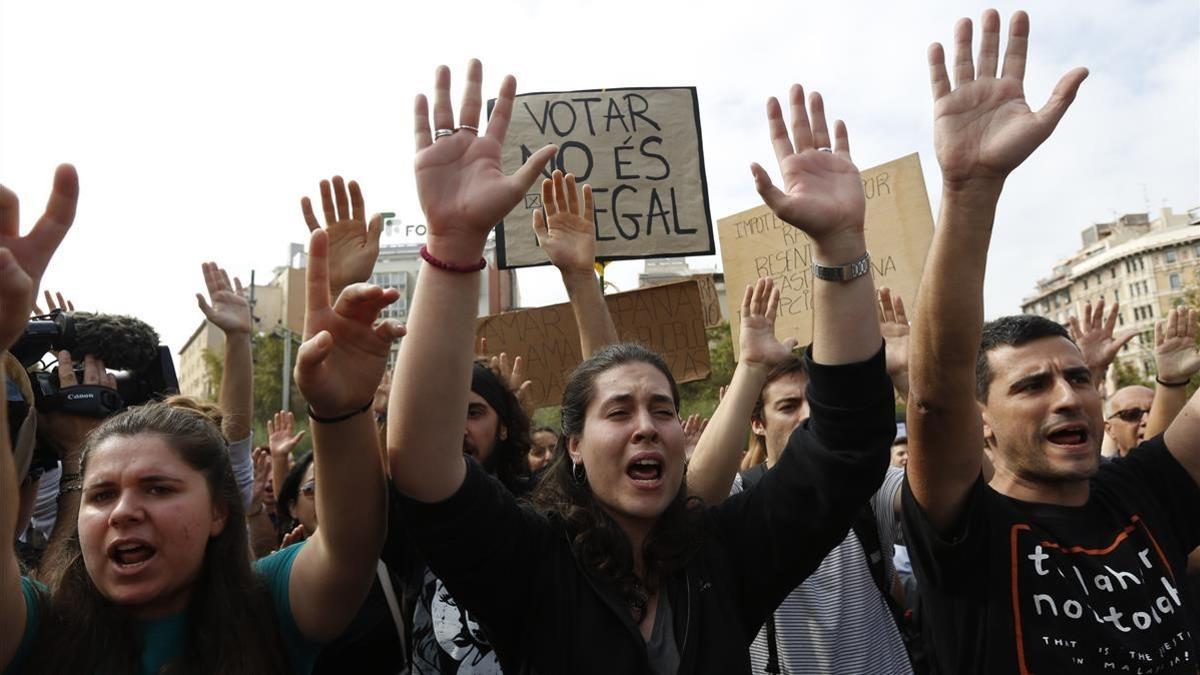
[[867, 531], [772, 648]]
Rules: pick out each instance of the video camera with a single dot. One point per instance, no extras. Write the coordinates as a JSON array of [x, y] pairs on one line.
[[125, 344]]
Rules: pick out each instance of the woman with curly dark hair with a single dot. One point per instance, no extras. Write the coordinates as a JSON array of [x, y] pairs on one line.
[[613, 569]]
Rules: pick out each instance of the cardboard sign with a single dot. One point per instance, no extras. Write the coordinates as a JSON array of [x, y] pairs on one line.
[[668, 319], [639, 149], [899, 227]]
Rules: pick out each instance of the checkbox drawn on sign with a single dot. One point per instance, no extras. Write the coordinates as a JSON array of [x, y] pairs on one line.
[[533, 200]]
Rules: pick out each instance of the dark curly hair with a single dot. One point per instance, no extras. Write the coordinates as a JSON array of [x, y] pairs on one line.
[[596, 539], [232, 625]]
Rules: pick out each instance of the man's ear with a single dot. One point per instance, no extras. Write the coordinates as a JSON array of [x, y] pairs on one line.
[[503, 433], [758, 428], [1108, 430], [989, 436], [219, 516]]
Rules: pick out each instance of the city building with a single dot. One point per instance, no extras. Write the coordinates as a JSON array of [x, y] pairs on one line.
[[1142, 263], [278, 306]]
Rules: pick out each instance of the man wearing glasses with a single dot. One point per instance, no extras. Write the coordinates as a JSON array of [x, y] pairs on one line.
[[1128, 413]]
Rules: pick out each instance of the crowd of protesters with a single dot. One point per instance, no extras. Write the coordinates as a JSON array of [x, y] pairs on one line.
[[983, 533]]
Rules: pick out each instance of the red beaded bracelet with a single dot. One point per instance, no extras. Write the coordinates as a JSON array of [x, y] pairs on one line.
[[450, 267]]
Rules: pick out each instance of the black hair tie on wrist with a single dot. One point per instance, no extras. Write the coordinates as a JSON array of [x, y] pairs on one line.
[[1170, 384], [340, 418]]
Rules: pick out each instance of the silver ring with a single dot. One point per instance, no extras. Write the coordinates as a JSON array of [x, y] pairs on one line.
[[468, 127], [825, 149], [440, 133]]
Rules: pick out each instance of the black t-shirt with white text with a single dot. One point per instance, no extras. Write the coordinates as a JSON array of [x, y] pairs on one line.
[[1040, 588]]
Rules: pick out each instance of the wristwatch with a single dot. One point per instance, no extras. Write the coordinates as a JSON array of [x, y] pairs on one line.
[[846, 272]]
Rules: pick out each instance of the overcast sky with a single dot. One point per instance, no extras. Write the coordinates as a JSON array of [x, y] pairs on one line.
[[197, 127]]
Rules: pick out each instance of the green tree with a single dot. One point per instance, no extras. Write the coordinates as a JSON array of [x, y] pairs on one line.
[[701, 396], [268, 385]]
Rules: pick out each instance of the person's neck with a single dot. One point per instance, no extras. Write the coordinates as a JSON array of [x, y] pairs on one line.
[[162, 608], [1065, 493], [772, 457]]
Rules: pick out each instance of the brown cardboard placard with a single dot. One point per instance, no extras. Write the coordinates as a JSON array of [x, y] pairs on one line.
[[668, 319], [899, 227], [642, 153]]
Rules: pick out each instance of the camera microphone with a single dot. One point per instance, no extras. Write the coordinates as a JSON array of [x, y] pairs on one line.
[[122, 342]]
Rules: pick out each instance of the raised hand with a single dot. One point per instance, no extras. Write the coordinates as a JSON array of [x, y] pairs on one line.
[[512, 373], [280, 438], [344, 352], [1095, 338], [822, 191], [893, 323], [983, 128], [230, 310], [262, 474], [460, 182], [757, 343], [564, 231], [64, 432], [1175, 355], [693, 429], [353, 242], [23, 260]]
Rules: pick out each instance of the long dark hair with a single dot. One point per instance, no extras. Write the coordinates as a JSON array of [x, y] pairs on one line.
[[507, 460], [597, 540], [232, 626]]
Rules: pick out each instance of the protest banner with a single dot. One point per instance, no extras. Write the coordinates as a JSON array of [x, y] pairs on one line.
[[639, 149], [899, 228], [668, 319]]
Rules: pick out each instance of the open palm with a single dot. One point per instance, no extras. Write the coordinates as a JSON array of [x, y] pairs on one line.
[[1175, 354], [353, 242], [822, 191], [984, 129], [566, 230], [345, 352], [229, 311], [756, 338], [460, 181]]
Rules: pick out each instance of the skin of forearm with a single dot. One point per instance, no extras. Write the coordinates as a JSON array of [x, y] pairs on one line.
[[236, 398], [596, 328], [430, 386], [845, 325], [68, 509], [946, 333], [1168, 403], [351, 508], [718, 455]]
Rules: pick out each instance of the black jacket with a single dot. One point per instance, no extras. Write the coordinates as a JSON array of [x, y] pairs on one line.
[[514, 568]]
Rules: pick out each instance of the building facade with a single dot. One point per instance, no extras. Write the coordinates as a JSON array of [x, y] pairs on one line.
[[1144, 264], [278, 306]]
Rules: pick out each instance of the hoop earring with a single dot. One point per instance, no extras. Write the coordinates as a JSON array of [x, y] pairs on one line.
[[577, 472]]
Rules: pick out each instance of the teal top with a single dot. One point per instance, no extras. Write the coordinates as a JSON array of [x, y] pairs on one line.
[[163, 639]]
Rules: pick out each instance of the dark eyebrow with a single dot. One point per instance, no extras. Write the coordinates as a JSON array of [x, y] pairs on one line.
[[1078, 371], [796, 400], [156, 478], [1029, 380]]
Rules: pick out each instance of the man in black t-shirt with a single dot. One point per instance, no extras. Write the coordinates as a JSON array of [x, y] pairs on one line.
[[1057, 564]]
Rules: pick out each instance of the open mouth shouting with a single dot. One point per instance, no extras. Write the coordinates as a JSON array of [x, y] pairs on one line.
[[646, 470], [1072, 437], [130, 556]]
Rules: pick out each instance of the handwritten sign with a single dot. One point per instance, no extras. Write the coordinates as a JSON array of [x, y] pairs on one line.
[[668, 319], [639, 149], [899, 227]]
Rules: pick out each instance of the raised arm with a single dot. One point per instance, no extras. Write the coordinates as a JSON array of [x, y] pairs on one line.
[[822, 196], [983, 129], [718, 455], [1176, 361], [282, 442], [23, 260], [464, 193], [1181, 362], [230, 311], [566, 231], [353, 242], [337, 369]]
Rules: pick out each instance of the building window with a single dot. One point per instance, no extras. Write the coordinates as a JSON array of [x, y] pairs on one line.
[[1085, 284], [1114, 273], [1169, 256], [1176, 282]]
